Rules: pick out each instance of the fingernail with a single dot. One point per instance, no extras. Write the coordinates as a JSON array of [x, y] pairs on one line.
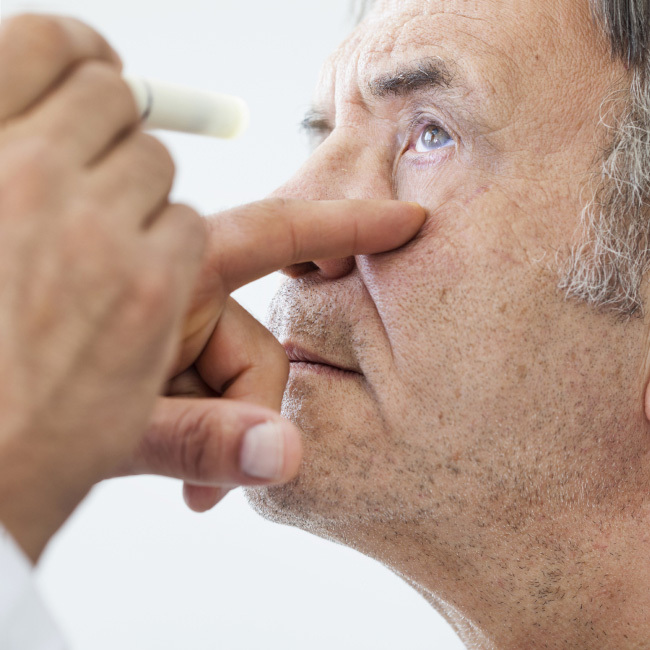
[[415, 205], [262, 453]]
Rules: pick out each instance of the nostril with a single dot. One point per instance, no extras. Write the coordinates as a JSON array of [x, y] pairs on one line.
[[298, 270], [332, 269], [335, 268]]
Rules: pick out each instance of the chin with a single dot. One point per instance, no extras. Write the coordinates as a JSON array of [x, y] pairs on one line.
[[339, 481], [326, 490], [283, 504], [357, 471], [307, 502]]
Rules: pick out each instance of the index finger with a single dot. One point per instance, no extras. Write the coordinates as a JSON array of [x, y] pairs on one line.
[[249, 242], [37, 50]]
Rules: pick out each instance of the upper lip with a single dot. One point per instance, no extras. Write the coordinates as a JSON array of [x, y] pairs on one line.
[[297, 354]]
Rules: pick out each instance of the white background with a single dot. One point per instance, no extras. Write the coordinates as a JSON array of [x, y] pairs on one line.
[[134, 569]]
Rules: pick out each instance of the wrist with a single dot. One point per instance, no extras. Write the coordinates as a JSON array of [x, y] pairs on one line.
[[36, 497]]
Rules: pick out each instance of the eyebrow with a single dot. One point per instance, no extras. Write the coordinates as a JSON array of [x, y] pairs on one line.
[[316, 122], [426, 74]]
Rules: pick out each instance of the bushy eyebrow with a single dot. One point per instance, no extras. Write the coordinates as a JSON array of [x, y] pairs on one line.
[[427, 74]]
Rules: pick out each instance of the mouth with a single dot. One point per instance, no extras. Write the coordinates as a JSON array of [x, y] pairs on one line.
[[303, 360]]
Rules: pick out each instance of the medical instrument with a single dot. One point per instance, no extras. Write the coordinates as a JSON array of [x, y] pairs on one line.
[[175, 108]]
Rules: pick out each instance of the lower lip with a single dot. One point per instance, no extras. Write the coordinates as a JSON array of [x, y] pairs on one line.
[[322, 369]]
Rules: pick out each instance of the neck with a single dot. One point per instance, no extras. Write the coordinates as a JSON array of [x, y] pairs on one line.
[[567, 582]]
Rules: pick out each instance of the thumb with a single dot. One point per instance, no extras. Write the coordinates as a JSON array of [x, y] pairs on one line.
[[217, 443]]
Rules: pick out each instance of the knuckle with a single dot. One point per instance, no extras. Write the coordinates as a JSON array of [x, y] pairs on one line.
[[154, 151], [103, 84], [42, 36], [192, 230], [201, 449], [153, 160]]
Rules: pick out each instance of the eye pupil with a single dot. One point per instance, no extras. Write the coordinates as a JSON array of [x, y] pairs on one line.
[[431, 136]]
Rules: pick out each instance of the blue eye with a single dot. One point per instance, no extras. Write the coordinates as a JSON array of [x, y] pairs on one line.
[[433, 137]]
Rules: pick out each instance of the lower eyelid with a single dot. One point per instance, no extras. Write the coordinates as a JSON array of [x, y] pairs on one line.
[[429, 159]]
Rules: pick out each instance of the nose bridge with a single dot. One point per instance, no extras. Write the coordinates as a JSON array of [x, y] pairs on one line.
[[345, 166]]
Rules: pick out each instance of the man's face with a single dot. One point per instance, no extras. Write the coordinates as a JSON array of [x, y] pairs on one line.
[[480, 398]]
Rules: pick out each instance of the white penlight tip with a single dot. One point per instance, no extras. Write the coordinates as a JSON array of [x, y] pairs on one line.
[[175, 108]]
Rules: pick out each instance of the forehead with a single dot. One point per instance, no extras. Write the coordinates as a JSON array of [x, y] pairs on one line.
[[499, 46]]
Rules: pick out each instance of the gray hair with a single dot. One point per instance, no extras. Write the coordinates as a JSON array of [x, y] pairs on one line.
[[607, 267]]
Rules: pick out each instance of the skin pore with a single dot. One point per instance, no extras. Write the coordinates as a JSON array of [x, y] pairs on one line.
[[490, 445]]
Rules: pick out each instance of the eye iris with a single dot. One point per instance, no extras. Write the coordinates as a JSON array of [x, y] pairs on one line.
[[433, 137]]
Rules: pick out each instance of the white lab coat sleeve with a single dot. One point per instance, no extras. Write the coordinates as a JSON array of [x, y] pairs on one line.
[[25, 623]]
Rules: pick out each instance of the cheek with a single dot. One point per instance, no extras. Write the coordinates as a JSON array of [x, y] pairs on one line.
[[455, 304], [403, 283], [417, 288], [416, 291]]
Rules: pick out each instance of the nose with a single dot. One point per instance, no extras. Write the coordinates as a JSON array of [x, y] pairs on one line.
[[342, 167]]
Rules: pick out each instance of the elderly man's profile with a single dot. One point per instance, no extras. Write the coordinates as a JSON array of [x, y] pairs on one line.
[[475, 403]]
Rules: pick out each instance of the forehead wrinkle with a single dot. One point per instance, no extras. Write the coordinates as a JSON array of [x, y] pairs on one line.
[[370, 51], [380, 10], [421, 37], [432, 24]]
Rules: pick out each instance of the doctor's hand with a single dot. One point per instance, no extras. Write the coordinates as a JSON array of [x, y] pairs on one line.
[[96, 268], [236, 436]]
